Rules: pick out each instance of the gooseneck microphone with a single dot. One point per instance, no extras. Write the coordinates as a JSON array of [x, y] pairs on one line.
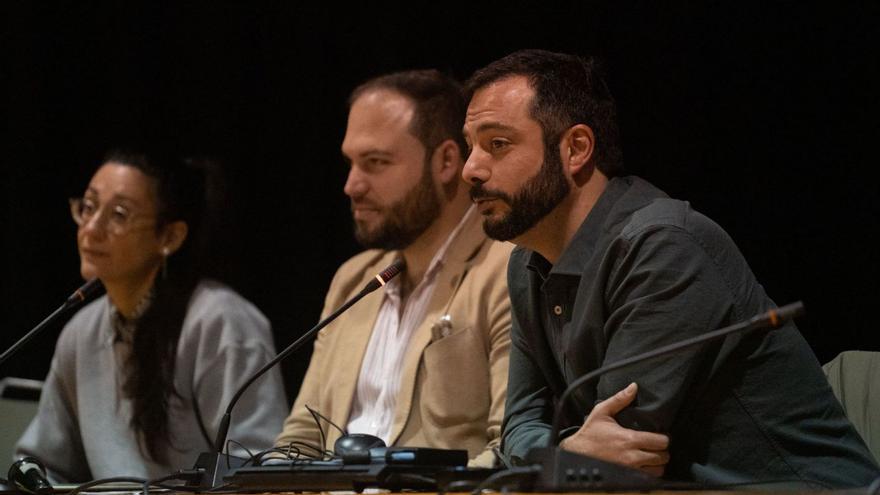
[[90, 289], [558, 470], [86, 292], [773, 318], [378, 281]]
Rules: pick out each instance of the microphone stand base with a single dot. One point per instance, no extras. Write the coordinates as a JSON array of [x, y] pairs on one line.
[[214, 466], [563, 471]]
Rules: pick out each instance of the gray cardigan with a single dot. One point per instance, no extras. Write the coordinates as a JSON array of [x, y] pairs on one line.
[[82, 431]]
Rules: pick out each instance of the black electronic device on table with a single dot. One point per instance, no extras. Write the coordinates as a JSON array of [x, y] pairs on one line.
[[393, 468]]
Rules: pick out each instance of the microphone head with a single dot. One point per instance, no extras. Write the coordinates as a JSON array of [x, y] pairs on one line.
[[29, 475], [92, 288], [393, 270], [792, 310]]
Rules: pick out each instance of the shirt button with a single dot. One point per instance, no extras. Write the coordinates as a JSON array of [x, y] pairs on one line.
[[557, 310]]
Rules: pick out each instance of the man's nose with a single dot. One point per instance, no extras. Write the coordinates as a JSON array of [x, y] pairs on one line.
[[475, 170], [355, 184]]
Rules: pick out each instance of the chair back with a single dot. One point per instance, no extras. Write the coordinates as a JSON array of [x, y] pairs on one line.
[[855, 378], [19, 398]]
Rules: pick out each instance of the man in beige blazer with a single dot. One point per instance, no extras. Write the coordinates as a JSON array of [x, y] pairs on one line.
[[424, 361], [424, 364]]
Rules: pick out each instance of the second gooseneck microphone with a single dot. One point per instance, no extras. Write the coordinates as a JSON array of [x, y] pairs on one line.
[[379, 280], [85, 293], [773, 318]]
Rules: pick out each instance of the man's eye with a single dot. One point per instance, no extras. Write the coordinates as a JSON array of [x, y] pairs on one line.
[[498, 144], [376, 162]]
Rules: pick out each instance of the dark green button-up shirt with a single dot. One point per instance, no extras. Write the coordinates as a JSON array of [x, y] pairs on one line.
[[645, 271]]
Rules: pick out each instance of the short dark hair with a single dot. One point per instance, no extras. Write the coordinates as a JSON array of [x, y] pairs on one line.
[[439, 104], [569, 90]]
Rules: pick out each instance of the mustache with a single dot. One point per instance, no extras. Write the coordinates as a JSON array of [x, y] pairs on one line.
[[363, 204], [478, 192]]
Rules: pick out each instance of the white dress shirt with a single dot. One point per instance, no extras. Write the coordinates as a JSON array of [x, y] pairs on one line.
[[378, 384]]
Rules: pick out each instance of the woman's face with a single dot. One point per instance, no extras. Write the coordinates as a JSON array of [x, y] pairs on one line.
[[117, 237]]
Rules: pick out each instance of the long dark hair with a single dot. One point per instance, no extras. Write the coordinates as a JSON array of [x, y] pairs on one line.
[[181, 188]]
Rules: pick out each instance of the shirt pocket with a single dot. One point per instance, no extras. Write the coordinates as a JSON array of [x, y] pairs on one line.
[[456, 382]]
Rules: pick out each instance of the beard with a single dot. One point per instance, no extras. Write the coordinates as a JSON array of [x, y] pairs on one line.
[[534, 200], [406, 219]]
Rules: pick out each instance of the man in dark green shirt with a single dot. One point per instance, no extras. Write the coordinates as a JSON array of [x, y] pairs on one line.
[[609, 267]]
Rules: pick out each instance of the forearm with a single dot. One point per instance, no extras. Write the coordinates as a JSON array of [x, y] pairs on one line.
[[529, 406], [53, 436]]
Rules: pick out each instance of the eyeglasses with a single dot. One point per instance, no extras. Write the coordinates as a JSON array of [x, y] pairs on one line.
[[115, 217]]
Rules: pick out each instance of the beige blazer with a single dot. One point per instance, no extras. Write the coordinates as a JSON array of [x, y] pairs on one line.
[[454, 382]]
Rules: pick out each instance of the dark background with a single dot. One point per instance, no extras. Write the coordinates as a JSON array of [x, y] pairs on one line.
[[762, 114]]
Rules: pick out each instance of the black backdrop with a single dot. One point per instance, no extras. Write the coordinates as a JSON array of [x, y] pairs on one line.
[[762, 114]]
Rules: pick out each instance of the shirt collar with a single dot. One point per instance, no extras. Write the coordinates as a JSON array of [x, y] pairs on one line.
[[580, 248], [393, 287], [123, 328]]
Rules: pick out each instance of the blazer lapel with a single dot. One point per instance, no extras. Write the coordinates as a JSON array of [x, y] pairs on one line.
[[447, 282], [351, 343]]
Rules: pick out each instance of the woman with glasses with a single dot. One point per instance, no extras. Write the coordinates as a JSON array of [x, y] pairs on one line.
[[141, 377]]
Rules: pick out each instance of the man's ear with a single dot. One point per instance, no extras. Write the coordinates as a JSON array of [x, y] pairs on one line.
[[446, 162], [576, 148], [172, 237]]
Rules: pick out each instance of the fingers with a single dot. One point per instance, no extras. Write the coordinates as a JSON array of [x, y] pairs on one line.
[[617, 402], [646, 440], [602, 437], [642, 459], [653, 459]]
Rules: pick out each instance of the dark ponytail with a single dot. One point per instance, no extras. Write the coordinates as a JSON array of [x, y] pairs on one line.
[[181, 190]]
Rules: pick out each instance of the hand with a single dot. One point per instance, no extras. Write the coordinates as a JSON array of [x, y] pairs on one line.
[[603, 438]]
